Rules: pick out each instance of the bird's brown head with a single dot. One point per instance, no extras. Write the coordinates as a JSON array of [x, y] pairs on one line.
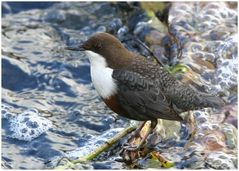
[[101, 42], [109, 47]]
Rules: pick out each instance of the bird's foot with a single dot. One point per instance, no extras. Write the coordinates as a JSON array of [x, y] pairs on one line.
[[135, 146], [137, 132], [130, 153], [132, 148]]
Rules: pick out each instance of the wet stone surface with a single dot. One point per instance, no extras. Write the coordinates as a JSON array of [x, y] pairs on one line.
[[51, 110]]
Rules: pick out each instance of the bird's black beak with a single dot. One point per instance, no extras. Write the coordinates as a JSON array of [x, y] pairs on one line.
[[75, 48]]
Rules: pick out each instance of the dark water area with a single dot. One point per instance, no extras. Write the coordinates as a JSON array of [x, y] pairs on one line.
[[15, 7], [50, 108]]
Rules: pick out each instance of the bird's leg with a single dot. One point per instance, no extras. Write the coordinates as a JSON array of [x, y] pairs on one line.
[[149, 131], [136, 134], [137, 131]]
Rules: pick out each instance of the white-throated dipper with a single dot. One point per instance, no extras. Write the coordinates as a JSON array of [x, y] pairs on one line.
[[137, 88]]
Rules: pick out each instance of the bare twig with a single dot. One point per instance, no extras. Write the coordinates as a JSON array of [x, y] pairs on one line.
[[102, 148]]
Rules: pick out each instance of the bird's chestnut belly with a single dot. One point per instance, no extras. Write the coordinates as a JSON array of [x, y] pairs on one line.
[[113, 103]]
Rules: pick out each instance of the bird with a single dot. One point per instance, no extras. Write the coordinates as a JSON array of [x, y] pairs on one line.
[[137, 88]]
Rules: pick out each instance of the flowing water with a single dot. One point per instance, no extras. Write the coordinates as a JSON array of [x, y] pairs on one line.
[[50, 108]]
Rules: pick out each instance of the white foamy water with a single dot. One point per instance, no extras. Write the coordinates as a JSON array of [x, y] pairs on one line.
[[27, 125]]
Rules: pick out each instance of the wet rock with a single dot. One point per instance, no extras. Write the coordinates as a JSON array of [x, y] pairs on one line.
[[219, 160], [114, 25], [231, 136], [168, 129], [154, 37], [121, 33], [142, 29], [137, 17], [208, 41], [195, 161]]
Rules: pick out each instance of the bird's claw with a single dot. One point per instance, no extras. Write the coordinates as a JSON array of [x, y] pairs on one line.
[[131, 148]]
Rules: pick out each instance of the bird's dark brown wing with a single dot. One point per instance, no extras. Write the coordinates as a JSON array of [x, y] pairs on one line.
[[142, 98]]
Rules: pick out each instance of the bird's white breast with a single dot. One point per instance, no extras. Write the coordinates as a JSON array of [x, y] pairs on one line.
[[101, 75]]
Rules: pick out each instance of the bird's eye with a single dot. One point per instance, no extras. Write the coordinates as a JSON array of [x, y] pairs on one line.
[[98, 46]]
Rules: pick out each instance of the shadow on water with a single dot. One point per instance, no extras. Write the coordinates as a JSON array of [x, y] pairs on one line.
[[15, 7]]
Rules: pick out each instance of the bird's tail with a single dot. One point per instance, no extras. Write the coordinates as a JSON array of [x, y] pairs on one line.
[[213, 101]]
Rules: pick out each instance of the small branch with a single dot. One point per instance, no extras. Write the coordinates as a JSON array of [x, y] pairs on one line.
[[99, 150]]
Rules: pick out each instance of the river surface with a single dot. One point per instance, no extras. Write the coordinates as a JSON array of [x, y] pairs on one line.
[[49, 105]]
